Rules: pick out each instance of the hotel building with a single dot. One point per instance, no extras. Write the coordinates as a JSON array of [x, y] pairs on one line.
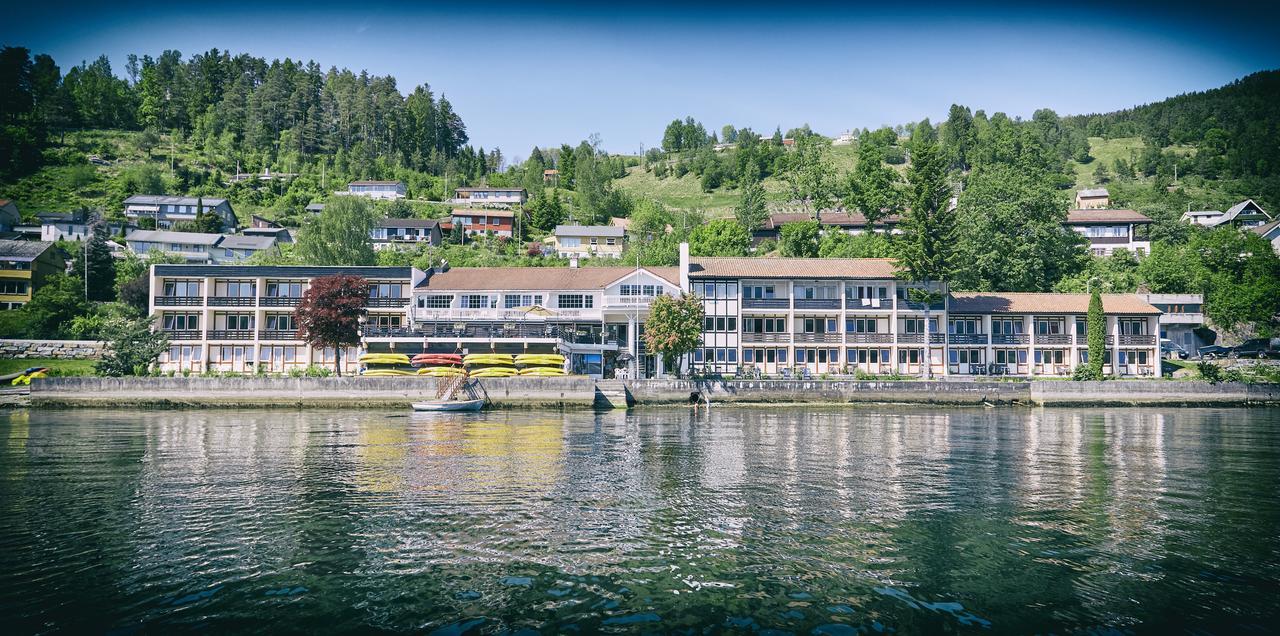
[[770, 316]]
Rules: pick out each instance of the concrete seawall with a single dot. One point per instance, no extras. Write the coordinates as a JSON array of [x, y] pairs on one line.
[[581, 393]]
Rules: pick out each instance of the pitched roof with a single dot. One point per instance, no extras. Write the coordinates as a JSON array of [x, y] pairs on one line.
[[843, 268], [314, 207], [371, 183], [76, 216], [282, 271], [533, 278], [833, 218], [488, 189], [422, 223], [589, 230], [23, 250], [155, 199], [1088, 193], [496, 214], [1075, 217], [1236, 209], [1028, 303], [162, 236], [242, 242], [1269, 228]]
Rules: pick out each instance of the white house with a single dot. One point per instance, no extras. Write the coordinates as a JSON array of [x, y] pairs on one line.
[[375, 189]]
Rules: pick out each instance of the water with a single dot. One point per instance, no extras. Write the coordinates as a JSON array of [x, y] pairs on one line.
[[806, 522]]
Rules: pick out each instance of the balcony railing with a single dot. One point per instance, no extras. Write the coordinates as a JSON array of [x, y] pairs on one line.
[[817, 337], [387, 302], [1140, 340], [389, 332], [912, 305], [1182, 318], [967, 338], [751, 336], [1053, 338], [179, 301], [184, 334], [868, 303], [918, 338], [230, 334], [627, 301], [1010, 338], [279, 301], [868, 338], [232, 301], [277, 334], [818, 303], [766, 303]]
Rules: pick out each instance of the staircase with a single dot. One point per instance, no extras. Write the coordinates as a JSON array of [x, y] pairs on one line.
[[611, 394], [446, 390]]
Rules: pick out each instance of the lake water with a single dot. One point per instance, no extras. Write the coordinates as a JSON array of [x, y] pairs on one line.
[[799, 521]]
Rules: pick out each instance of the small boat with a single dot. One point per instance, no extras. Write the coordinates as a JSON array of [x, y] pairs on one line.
[[449, 405]]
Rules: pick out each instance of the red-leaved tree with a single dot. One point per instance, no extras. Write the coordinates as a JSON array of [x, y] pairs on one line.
[[329, 313]]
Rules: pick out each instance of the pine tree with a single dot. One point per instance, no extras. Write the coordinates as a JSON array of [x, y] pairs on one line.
[[102, 266]]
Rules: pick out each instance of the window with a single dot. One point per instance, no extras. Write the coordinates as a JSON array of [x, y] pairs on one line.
[[385, 321], [386, 290], [650, 290], [866, 291], [181, 322], [1049, 327], [284, 290], [575, 301], [764, 325], [182, 288], [13, 287], [1082, 326], [512, 301], [1133, 327], [913, 325], [475, 301], [782, 356], [963, 325], [629, 290], [239, 322], [758, 291], [860, 325], [570, 242], [817, 292], [1006, 326], [435, 302], [281, 322], [235, 289]]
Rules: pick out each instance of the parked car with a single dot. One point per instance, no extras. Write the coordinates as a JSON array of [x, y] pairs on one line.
[[1171, 349], [1256, 348], [1214, 351]]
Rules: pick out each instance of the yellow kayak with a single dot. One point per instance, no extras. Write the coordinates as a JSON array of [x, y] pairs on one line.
[[494, 372], [384, 358], [442, 372], [487, 358], [383, 373], [541, 372], [542, 359]]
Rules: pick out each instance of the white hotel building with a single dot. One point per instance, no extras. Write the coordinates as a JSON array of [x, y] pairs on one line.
[[763, 315]]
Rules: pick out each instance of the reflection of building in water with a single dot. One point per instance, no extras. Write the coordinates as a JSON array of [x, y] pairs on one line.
[[380, 454]]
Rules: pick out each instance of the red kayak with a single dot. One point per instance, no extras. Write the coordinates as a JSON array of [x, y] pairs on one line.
[[436, 359]]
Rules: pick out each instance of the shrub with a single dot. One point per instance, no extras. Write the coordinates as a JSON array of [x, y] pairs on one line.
[[1209, 372], [1086, 373]]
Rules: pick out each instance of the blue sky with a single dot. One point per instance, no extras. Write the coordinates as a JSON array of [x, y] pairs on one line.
[[524, 74]]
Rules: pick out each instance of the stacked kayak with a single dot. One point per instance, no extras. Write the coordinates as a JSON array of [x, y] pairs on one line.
[[490, 365], [439, 365], [385, 364], [540, 364]]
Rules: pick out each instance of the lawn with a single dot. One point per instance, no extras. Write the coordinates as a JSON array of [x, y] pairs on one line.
[[60, 367], [1108, 150]]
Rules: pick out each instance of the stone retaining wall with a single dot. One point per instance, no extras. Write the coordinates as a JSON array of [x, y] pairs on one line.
[[839, 391], [58, 349]]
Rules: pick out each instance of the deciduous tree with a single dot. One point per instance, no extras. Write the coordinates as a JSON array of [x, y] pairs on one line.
[[721, 237], [329, 313], [799, 239], [339, 235], [132, 346], [674, 327]]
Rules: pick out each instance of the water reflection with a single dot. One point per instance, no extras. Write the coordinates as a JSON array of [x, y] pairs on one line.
[[797, 520]]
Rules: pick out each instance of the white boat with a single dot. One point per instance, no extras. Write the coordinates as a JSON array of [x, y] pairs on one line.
[[449, 405]]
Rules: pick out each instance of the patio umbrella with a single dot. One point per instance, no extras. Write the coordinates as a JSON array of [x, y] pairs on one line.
[[537, 310]]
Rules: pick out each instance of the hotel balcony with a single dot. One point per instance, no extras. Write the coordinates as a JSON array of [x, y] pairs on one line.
[[277, 334], [1181, 318], [628, 302], [279, 301], [868, 303], [232, 301], [179, 301], [184, 334], [1010, 338], [1136, 340], [818, 303], [766, 303], [967, 338], [1053, 339], [776, 338], [370, 331], [868, 338], [918, 338], [817, 337], [911, 305], [387, 302], [230, 334]]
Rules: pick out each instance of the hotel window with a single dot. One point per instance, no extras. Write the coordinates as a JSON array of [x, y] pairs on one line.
[[475, 301], [238, 322], [181, 322], [512, 301], [384, 321], [758, 291], [720, 323], [764, 325], [281, 322], [235, 289], [820, 325], [1082, 326], [1049, 327], [860, 325], [1006, 326], [435, 302], [817, 292], [1133, 327], [575, 301], [913, 325], [963, 326], [652, 290], [13, 287], [182, 288], [386, 290], [867, 291], [284, 290]]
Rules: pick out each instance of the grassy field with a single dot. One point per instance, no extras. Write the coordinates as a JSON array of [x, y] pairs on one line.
[[1108, 150], [60, 367]]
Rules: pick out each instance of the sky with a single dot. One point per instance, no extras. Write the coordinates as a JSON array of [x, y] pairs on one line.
[[526, 74]]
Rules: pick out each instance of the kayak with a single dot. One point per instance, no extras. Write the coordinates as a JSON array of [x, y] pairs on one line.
[[436, 358], [487, 358], [384, 358], [383, 373], [442, 372], [545, 372], [540, 359], [494, 372]]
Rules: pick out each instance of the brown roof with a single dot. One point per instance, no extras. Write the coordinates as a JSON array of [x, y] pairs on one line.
[[839, 219], [1032, 303], [1075, 217], [532, 278], [496, 214], [874, 268]]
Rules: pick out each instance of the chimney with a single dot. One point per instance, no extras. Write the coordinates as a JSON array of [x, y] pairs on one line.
[[684, 267], [573, 262]]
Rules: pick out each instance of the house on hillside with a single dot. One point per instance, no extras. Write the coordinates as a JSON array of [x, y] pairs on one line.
[[1205, 218], [1182, 319], [581, 241], [497, 222], [375, 189], [24, 267], [1270, 232], [394, 232], [64, 226], [168, 211], [1110, 230], [489, 196], [314, 208], [1093, 199], [1243, 215], [194, 247], [552, 176], [828, 220], [237, 248]]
